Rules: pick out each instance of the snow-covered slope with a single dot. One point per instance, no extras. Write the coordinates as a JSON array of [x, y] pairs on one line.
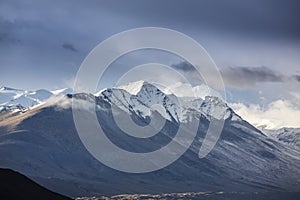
[[288, 136], [210, 107], [7, 94], [133, 87], [147, 99], [21, 100], [63, 91]]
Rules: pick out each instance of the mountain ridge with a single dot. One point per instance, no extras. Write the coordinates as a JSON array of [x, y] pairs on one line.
[[44, 145]]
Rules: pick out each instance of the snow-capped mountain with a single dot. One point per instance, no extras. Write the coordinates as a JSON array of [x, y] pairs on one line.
[[43, 144], [211, 107], [21, 100], [143, 101], [288, 136], [139, 97]]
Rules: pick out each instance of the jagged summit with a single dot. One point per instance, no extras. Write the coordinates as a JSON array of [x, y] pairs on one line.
[[133, 87], [142, 102], [140, 97]]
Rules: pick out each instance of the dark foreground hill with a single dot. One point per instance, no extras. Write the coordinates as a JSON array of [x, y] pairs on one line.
[[15, 186]]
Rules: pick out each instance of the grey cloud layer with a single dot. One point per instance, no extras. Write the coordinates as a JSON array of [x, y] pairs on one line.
[[297, 77], [249, 76], [41, 37], [184, 66], [244, 76], [267, 18]]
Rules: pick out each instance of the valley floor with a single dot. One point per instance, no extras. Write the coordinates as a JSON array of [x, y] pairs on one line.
[[203, 196]]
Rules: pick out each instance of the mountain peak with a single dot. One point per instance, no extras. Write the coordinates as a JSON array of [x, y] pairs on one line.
[[140, 97], [149, 88], [217, 108], [132, 87], [135, 87], [3, 88]]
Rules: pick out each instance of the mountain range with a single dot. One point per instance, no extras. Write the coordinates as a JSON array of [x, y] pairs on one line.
[[42, 143], [21, 100]]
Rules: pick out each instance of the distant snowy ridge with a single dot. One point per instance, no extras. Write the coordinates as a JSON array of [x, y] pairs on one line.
[[12, 99], [289, 136]]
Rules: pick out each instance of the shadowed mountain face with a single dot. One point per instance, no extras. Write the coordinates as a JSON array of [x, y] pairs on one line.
[[43, 144], [15, 186]]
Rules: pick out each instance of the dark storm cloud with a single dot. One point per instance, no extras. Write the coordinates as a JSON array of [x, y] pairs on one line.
[[266, 18], [250, 76], [69, 47], [33, 33], [297, 77], [183, 66], [5, 32], [239, 76], [269, 18]]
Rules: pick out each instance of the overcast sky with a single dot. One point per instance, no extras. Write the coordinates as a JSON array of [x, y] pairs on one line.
[[255, 44]]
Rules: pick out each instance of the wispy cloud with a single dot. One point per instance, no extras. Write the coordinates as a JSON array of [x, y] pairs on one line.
[[69, 47]]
